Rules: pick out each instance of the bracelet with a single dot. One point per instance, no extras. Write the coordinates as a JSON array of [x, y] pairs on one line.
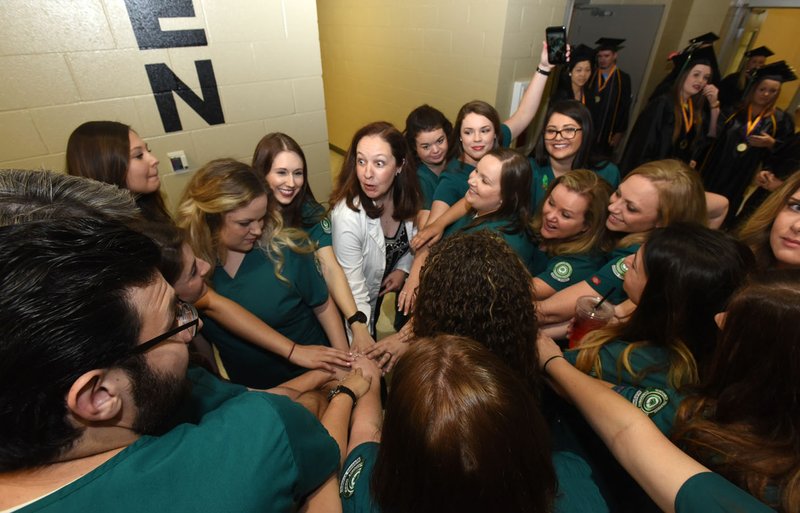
[[544, 367], [715, 105], [542, 72], [341, 389], [294, 344]]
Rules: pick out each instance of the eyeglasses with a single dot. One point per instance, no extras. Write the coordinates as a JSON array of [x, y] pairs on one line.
[[186, 317], [565, 133]]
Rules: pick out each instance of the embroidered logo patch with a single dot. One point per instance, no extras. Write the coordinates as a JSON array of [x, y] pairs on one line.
[[620, 268], [545, 182], [562, 272], [595, 280], [349, 478], [650, 400], [326, 224]]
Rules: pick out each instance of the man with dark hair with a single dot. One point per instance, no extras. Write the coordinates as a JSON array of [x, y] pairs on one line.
[[95, 409]]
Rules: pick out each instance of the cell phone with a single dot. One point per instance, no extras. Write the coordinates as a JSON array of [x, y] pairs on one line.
[[556, 45]]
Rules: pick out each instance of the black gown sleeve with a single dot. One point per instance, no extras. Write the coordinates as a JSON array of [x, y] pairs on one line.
[[651, 136]]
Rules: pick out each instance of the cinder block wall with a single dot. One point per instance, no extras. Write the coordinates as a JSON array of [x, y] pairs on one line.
[[69, 61]]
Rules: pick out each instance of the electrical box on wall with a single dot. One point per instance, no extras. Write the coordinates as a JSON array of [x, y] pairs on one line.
[[178, 161]]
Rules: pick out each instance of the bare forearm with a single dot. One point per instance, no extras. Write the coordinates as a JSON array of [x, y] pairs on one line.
[[331, 322], [560, 306]]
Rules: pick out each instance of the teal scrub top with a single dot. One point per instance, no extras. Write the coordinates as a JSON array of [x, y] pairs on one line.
[[286, 307], [533, 258], [543, 176], [251, 452], [453, 181], [708, 492], [354, 487], [316, 223], [612, 274], [563, 271], [428, 181], [650, 393]]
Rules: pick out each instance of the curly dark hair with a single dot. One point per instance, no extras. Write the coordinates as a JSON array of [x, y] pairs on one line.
[[474, 285]]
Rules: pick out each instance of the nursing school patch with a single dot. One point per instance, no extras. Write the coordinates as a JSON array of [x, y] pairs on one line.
[[325, 223], [620, 268], [650, 400], [349, 478], [562, 272]]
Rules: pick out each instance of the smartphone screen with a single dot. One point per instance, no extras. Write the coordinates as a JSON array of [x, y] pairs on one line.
[[556, 45]]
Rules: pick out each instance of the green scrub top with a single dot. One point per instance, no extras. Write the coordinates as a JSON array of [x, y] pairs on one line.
[[316, 223], [428, 181], [354, 487], [612, 275], [650, 393], [286, 307], [453, 181], [543, 176], [253, 452], [563, 271], [533, 258], [708, 492]]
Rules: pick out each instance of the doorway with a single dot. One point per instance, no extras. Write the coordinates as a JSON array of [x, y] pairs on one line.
[[637, 24]]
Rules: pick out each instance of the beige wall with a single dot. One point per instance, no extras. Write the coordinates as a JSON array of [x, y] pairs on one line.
[[383, 58], [69, 61]]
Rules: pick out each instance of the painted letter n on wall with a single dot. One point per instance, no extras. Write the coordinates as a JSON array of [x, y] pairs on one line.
[[144, 16]]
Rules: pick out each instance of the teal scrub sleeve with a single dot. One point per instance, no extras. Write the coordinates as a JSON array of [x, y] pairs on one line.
[[317, 224], [304, 274], [427, 183], [708, 492], [578, 491], [354, 487], [612, 274], [453, 182], [660, 404], [563, 271], [506, 131], [610, 173]]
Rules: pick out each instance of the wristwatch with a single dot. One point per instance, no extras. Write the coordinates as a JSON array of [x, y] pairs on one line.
[[341, 389], [357, 317]]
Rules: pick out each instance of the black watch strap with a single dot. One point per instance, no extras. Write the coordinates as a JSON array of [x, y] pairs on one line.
[[357, 317], [341, 389]]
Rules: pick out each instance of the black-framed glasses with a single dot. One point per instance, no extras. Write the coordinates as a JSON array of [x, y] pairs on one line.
[[565, 133], [186, 317]]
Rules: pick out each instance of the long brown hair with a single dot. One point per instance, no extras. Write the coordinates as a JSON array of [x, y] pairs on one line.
[[266, 150], [101, 150], [744, 421], [698, 101], [406, 194], [756, 230], [691, 272], [464, 433]]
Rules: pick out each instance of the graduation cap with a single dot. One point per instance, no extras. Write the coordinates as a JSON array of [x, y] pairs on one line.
[[707, 38], [609, 43], [779, 71], [580, 53], [699, 53], [761, 51]]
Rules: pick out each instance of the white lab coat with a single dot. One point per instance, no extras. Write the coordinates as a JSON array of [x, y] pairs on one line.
[[361, 251]]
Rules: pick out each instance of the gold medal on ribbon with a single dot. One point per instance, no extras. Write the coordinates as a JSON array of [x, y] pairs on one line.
[[741, 147], [683, 144], [597, 99]]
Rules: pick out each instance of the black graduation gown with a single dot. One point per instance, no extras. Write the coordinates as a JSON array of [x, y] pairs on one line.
[[726, 170], [651, 136], [610, 108]]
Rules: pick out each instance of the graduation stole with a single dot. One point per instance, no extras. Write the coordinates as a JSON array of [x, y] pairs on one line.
[[601, 84]]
